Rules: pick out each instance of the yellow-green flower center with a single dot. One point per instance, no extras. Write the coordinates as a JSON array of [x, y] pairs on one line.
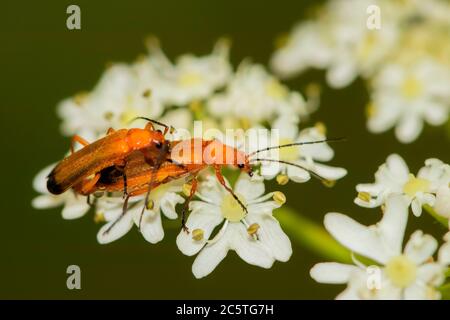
[[189, 79], [401, 271], [288, 153], [415, 185], [276, 90], [411, 88], [231, 209]]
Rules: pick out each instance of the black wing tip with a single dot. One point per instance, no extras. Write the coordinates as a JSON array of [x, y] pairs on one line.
[[52, 186]]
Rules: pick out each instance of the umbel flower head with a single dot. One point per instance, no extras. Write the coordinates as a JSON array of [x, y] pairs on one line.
[[204, 88], [396, 273], [393, 177], [255, 235], [404, 58]]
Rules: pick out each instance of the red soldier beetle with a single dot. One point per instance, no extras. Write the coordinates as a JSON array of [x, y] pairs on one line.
[[82, 168], [184, 161]]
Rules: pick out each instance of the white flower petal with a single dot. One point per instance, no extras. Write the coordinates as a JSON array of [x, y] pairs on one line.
[[444, 254], [386, 113], [249, 249], [350, 293], [420, 247], [151, 225], [262, 208], [210, 190], [168, 203], [210, 257], [371, 188], [272, 236], [432, 274], [75, 207], [45, 201], [332, 272], [40, 180], [372, 203], [341, 74], [287, 126], [118, 230], [397, 165], [393, 224], [436, 113], [416, 292], [297, 174], [409, 128], [249, 187], [330, 173], [204, 217], [416, 207], [356, 237], [442, 202]]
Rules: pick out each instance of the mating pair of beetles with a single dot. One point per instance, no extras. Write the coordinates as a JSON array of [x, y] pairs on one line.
[[135, 161]]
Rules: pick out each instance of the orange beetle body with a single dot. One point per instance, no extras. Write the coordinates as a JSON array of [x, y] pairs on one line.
[[207, 153], [83, 166], [187, 158]]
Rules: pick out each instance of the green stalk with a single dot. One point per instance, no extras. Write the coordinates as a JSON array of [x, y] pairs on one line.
[[312, 236], [447, 273], [433, 213], [445, 291]]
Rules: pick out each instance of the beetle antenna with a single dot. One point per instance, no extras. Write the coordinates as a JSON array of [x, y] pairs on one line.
[[311, 172], [151, 120], [296, 144]]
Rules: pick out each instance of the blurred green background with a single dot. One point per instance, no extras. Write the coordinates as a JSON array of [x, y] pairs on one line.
[[42, 62]]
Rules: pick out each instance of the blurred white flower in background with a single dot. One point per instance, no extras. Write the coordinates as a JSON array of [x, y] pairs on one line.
[[337, 40], [256, 236], [408, 273], [191, 77], [406, 62], [306, 156], [405, 96], [254, 96], [442, 203], [394, 177], [120, 96]]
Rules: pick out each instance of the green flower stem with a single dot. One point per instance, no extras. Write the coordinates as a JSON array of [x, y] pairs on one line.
[[433, 213], [310, 235], [447, 273], [445, 291]]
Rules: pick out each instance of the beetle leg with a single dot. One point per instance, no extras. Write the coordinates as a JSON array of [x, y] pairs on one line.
[[80, 140], [186, 204], [88, 200], [125, 185], [124, 211], [88, 185], [149, 126], [147, 196], [178, 164], [110, 130], [222, 182], [120, 166]]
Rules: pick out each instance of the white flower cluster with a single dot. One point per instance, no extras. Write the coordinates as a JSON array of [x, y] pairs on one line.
[[393, 272], [405, 60], [430, 186], [202, 88]]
